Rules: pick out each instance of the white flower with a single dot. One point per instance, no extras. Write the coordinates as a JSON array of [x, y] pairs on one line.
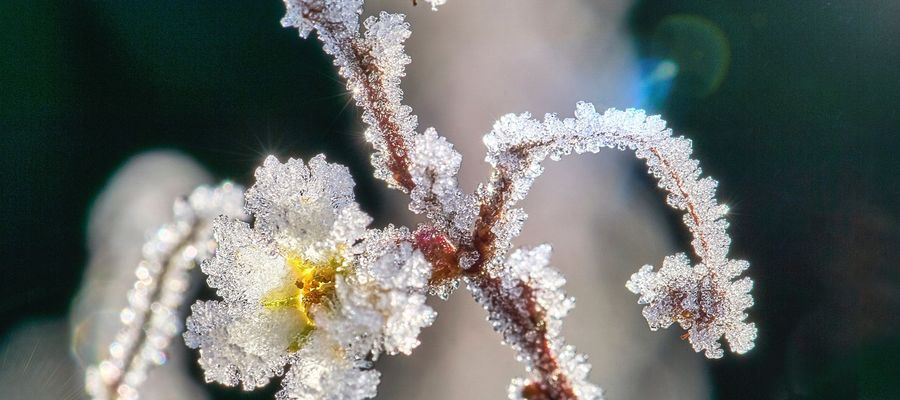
[[308, 286]]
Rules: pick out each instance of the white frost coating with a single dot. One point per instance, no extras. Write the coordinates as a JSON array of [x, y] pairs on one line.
[[384, 299], [372, 64], [691, 297], [434, 165], [709, 304], [308, 287], [299, 206], [528, 278], [151, 318]]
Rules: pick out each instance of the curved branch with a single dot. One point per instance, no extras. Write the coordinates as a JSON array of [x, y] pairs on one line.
[[704, 299]]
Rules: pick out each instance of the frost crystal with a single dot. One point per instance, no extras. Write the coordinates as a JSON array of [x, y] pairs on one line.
[[434, 166], [163, 277], [703, 299], [707, 306], [526, 304], [308, 286]]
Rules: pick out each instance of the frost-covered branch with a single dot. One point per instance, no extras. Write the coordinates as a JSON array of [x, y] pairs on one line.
[[470, 235], [704, 299], [423, 165], [151, 318], [525, 303]]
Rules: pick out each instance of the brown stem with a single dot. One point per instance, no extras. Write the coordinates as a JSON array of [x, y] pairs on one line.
[[490, 212], [370, 76], [440, 252], [527, 331], [385, 119], [692, 211]]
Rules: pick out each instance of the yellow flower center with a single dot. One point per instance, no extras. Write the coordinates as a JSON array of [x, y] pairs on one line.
[[313, 285]]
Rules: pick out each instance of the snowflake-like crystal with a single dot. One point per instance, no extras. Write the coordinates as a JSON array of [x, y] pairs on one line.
[[707, 305], [308, 286]]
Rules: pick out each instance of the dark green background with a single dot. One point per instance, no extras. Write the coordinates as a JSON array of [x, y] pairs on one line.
[[801, 130]]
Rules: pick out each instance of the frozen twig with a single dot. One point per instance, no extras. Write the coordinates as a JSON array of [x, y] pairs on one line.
[[151, 318], [704, 299]]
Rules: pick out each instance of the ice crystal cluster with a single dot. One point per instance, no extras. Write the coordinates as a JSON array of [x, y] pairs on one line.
[[151, 319], [309, 292]]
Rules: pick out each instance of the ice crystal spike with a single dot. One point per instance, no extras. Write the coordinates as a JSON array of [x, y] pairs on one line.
[[526, 304], [434, 165], [308, 287], [704, 299], [163, 276]]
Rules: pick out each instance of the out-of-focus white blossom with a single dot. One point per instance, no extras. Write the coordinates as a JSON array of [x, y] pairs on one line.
[[308, 287], [152, 318]]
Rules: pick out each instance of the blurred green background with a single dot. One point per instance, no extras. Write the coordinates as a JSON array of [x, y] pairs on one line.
[[791, 105]]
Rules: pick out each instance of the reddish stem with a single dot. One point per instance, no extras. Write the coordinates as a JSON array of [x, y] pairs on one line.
[[385, 119], [440, 252], [553, 382]]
